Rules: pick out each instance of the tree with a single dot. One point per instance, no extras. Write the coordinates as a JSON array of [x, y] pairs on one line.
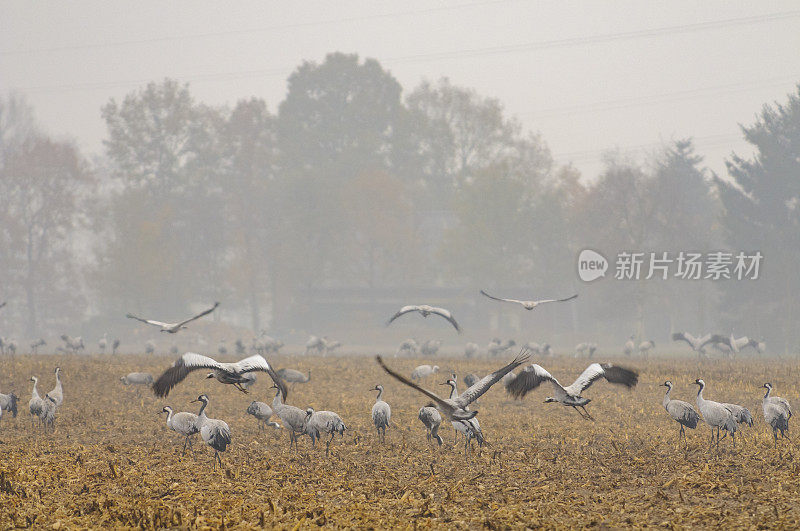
[[762, 212]]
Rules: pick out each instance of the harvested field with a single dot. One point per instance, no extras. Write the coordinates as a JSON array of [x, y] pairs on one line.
[[113, 462]]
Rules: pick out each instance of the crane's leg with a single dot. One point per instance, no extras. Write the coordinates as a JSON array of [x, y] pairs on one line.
[[240, 388], [185, 442], [588, 416], [775, 435]]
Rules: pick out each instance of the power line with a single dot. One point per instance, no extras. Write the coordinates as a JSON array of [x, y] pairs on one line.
[[279, 27], [597, 39], [700, 26], [691, 94]]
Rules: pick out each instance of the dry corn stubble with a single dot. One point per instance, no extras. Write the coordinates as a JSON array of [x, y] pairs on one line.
[[113, 462]]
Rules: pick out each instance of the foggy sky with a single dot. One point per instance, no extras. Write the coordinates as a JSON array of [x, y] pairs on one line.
[[588, 76]]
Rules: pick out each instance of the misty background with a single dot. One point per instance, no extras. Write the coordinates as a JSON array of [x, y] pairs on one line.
[[387, 175]]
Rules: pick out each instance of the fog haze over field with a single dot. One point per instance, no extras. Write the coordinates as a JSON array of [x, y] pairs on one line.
[[314, 167]]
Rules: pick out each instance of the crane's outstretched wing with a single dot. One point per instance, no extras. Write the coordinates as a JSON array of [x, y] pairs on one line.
[[481, 386], [501, 299], [529, 379], [447, 315], [404, 310], [682, 336], [445, 407], [147, 321], [199, 315], [257, 363], [557, 300], [595, 371], [180, 370]]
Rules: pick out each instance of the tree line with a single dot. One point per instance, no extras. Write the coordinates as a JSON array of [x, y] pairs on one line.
[[352, 182]]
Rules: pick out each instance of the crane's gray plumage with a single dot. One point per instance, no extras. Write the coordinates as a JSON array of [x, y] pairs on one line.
[[319, 422], [533, 375], [262, 412], [293, 418], [9, 403], [716, 415], [293, 376], [423, 371], [173, 328], [740, 413], [47, 415], [471, 379], [471, 350], [35, 403], [470, 428], [183, 423], [381, 413], [496, 347], [528, 305], [682, 412], [426, 310], [777, 413], [214, 432], [408, 347], [456, 409], [58, 392], [697, 343], [228, 373], [432, 419], [137, 378]]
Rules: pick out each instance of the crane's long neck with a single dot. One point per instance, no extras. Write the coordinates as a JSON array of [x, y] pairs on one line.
[[277, 402], [35, 393], [666, 396], [202, 413], [453, 390], [700, 394], [380, 394], [169, 417], [766, 396]]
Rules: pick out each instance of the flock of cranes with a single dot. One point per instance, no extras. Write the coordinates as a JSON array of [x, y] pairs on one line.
[[456, 407]]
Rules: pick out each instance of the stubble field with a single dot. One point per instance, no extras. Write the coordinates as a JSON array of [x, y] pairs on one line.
[[113, 462]]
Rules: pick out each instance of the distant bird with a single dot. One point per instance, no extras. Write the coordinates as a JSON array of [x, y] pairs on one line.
[[58, 392], [423, 371], [137, 378], [716, 415], [432, 419], [227, 373], [426, 310], [682, 412], [173, 350], [36, 344], [11, 347], [149, 347], [330, 345], [241, 350], [315, 343], [777, 413], [430, 347], [183, 423], [293, 418], [543, 349], [533, 375], [102, 344], [457, 409], [262, 412], [646, 346], [381, 413], [294, 377], [471, 350], [528, 305], [3, 304], [697, 343], [9, 403], [629, 346], [319, 422], [732, 345], [266, 344], [471, 379], [587, 349], [35, 403], [115, 346], [214, 433], [74, 344], [496, 347], [408, 347], [222, 348], [173, 328]]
